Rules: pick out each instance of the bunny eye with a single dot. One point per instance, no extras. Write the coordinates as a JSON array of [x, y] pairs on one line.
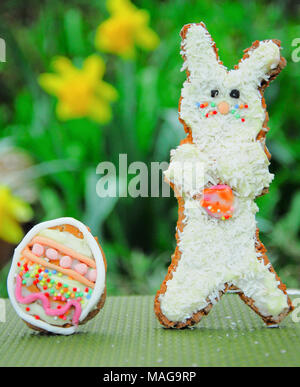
[[235, 93], [214, 93]]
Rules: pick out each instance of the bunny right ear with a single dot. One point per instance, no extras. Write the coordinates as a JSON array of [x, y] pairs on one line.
[[199, 52], [261, 62]]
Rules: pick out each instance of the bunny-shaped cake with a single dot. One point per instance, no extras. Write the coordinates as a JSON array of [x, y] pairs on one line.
[[216, 173]]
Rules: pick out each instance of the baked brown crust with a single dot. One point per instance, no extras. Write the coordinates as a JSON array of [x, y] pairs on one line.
[[260, 248], [78, 234]]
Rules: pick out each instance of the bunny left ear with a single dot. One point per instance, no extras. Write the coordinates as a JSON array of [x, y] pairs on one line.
[[200, 53], [261, 61]]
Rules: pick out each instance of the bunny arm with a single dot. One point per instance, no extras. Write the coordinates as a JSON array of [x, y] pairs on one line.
[[188, 171], [245, 170]]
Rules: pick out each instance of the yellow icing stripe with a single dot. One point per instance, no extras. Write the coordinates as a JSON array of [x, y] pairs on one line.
[[71, 273], [64, 249]]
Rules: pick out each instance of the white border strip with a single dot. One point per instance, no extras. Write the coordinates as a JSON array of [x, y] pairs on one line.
[[293, 292]]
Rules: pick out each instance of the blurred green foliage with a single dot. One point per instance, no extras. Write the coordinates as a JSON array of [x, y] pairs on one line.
[[138, 234]]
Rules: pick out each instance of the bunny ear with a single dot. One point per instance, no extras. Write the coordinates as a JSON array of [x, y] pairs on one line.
[[261, 62], [199, 52]]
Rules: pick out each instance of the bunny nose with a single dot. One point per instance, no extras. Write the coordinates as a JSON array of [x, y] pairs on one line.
[[223, 107]]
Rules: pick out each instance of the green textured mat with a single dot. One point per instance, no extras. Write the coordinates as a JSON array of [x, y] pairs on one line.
[[126, 333]]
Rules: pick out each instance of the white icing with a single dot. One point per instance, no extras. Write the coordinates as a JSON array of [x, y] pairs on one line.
[[215, 252], [99, 285]]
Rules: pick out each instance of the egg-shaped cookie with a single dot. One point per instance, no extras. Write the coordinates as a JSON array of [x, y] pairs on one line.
[[57, 280]]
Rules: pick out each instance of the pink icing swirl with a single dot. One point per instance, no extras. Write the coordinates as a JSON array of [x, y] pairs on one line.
[[46, 303]]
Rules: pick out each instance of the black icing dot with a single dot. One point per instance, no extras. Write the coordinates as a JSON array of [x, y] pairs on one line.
[[235, 93], [214, 93]]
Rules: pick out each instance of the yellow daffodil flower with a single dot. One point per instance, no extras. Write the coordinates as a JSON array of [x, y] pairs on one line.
[[80, 92], [126, 28], [13, 211]]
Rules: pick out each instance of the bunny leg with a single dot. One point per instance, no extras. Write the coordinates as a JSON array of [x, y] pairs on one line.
[[263, 291], [181, 303]]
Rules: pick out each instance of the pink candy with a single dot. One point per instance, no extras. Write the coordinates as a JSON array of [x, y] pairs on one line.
[[52, 254], [81, 268], [66, 262], [38, 250], [92, 275]]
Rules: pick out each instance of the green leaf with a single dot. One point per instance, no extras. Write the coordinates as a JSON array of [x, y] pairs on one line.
[[147, 115], [74, 32], [97, 209], [51, 203]]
